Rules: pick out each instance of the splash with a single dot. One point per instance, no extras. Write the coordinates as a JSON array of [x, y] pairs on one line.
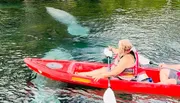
[[69, 20]]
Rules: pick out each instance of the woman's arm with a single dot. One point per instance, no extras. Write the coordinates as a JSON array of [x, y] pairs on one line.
[[125, 63], [114, 50]]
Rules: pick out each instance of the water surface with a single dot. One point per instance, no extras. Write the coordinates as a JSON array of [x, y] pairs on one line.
[[28, 30]]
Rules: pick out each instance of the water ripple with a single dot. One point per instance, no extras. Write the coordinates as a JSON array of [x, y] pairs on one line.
[[29, 32]]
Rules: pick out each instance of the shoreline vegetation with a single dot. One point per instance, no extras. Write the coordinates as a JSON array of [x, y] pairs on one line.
[[20, 1], [11, 1]]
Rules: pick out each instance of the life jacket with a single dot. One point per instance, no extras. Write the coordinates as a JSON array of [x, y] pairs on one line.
[[132, 70]]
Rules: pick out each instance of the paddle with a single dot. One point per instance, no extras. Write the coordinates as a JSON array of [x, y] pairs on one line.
[[109, 96], [146, 61]]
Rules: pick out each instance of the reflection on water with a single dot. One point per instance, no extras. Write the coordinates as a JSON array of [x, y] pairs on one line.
[[28, 30], [62, 95]]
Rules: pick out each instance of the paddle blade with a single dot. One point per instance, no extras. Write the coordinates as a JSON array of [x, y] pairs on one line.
[[143, 60], [107, 52], [109, 96]]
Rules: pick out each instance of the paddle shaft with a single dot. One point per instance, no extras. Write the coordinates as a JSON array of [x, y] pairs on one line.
[[109, 68]]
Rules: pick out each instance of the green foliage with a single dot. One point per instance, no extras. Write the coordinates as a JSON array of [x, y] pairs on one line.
[[11, 1]]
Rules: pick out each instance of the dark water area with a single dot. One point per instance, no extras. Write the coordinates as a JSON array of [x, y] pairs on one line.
[[86, 27]]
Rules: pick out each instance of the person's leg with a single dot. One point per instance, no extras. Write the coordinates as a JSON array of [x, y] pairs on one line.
[[164, 74], [171, 81], [94, 72], [168, 76]]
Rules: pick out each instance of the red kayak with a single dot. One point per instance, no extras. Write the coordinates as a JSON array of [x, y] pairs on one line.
[[64, 71]]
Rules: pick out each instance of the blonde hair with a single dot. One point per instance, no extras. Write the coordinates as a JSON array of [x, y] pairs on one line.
[[124, 46]]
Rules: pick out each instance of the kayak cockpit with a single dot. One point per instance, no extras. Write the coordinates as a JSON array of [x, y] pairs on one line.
[[152, 73], [84, 66], [74, 67]]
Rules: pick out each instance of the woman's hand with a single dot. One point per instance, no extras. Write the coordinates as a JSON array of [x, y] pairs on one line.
[[110, 48], [114, 50], [97, 77]]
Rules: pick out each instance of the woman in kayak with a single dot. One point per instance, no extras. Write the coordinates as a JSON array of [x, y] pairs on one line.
[[125, 58], [169, 76]]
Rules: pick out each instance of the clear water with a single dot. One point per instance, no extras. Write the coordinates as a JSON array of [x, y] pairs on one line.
[[28, 30]]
